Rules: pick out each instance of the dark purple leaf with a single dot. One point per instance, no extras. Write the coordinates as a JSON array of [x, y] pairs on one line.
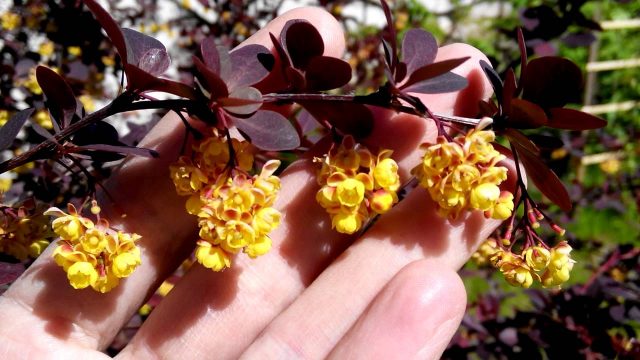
[[493, 77], [523, 52], [295, 78], [247, 68], [401, 72], [97, 133], [268, 130], [509, 90], [61, 102], [518, 138], [433, 70], [10, 130], [326, 73], [350, 118], [551, 82], [544, 178], [447, 82], [302, 41], [282, 53], [41, 131], [391, 37], [110, 27], [526, 115], [118, 149], [211, 81], [210, 55], [571, 119], [10, 272], [419, 48], [146, 52]]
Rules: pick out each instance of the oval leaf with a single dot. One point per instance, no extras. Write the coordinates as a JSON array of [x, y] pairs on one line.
[[61, 102], [319, 79], [493, 77], [213, 83], [419, 48], [143, 81], [210, 54], [247, 67], [551, 82], [268, 130], [526, 115], [350, 118], [433, 70], [146, 52], [571, 119], [248, 93], [10, 130], [447, 82], [302, 42]]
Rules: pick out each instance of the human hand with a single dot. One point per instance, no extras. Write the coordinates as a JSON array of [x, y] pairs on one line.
[[391, 293]]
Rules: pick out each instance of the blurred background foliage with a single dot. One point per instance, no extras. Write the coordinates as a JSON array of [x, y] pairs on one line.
[[596, 316]]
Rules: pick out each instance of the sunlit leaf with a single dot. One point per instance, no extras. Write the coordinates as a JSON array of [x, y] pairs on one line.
[[447, 82], [146, 52], [10, 130], [571, 119], [419, 48], [250, 94], [268, 130], [210, 54], [433, 70], [248, 67], [319, 79], [214, 84], [143, 81]]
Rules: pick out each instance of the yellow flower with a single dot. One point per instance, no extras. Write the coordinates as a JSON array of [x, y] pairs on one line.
[[261, 246], [503, 208], [484, 196], [105, 283], [124, 264], [187, 177], [46, 48], [37, 247], [10, 20], [537, 257], [485, 251], [382, 201], [350, 192], [94, 241], [43, 119], [81, 275], [212, 257], [560, 265], [4, 117], [346, 223]]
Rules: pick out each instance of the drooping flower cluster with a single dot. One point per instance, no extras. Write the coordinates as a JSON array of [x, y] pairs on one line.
[[463, 175], [550, 267], [356, 184], [24, 231], [234, 209], [93, 254]]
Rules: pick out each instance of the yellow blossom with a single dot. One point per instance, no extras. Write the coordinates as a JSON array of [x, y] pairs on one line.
[[537, 257], [10, 20], [81, 275], [212, 257], [560, 265]]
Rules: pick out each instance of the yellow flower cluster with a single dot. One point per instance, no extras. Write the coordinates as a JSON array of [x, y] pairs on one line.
[[92, 254], [10, 20], [555, 264], [234, 209], [485, 251], [24, 232], [356, 184], [462, 174]]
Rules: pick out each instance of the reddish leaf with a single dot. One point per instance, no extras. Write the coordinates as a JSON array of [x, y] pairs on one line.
[[268, 130], [10, 130], [419, 48], [526, 115], [302, 42], [211, 80], [146, 52], [544, 178], [509, 90], [390, 43], [551, 82], [520, 139], [447, 82], [317, 77], [523, 53], [60, 99], [110, 27], [433, 70], [401, 72], [141, 81], [247, 67], [571, 119], [282, 53]]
